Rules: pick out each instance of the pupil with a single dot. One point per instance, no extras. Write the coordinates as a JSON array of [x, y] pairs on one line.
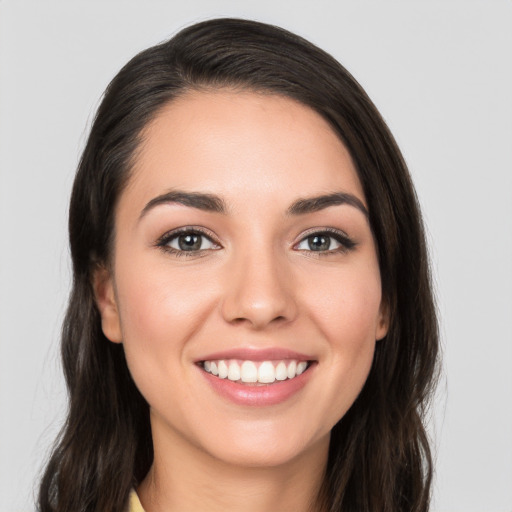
[[189, 242], [319, 242]]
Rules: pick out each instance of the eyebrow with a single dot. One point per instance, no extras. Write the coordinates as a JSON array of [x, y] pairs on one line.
[[317, 203], [213, 203], [205, 202]]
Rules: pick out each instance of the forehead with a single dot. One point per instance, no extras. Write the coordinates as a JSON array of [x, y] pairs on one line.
[[238, 142]]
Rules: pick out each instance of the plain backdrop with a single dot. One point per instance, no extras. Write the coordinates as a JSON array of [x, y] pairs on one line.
[[440, 73]]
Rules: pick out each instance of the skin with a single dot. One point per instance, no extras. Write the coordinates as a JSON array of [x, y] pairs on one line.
[[257, 285]]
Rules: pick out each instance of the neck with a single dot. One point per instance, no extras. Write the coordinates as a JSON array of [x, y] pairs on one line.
[[188, 479]]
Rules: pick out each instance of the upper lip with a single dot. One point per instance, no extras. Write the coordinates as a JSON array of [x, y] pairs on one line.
[[256, 354]]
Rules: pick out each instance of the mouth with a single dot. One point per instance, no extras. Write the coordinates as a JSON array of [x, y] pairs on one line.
[[255, 373], [257, 376]]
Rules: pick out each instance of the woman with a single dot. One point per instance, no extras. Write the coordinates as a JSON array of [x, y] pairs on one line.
[[251, 323]]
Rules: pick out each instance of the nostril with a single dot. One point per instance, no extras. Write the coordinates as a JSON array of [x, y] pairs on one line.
[[258, 301], [242, 319]]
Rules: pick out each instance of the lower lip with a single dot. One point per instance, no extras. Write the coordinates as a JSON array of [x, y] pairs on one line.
[[262, 395]]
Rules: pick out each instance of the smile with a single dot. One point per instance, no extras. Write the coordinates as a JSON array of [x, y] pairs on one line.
[[257, 377], [255, 372]]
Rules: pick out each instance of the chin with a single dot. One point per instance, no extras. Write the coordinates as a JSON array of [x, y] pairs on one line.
[[264, 447]]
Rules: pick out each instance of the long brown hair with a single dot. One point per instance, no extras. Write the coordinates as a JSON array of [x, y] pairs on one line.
[[379, 458]]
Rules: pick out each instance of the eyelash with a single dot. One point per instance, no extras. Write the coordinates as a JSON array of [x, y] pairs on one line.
[[164, 241], [346, 244]]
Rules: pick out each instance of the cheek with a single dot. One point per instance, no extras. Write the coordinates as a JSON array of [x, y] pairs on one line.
[[346, 310], [158, 301], [160, 310], [346, 305], [349, 326]]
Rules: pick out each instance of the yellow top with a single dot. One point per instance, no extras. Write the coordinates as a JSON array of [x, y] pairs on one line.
[[134, 503]]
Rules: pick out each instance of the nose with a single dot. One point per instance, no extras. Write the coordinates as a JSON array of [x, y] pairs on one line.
[[259, 291]]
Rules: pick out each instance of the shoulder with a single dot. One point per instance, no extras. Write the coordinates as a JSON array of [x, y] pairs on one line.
[[134, 504]]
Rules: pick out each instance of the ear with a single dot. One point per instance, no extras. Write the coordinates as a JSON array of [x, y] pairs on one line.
[[107, 304], [383, 321]]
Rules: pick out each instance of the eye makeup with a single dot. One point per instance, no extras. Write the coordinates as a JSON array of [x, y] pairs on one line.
[[193, 241], [188, 241], [325, 242]]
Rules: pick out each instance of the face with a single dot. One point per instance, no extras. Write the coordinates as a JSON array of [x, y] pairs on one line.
[[245, 285]]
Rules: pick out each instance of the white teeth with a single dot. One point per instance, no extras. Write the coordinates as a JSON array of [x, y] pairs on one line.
[[223, 369], [234, 371], [249, 372], [301, 367], [281, 371], [267, 372], [292, 370]]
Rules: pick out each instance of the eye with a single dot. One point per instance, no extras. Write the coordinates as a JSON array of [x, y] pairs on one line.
[[186, 241], [326, 241]]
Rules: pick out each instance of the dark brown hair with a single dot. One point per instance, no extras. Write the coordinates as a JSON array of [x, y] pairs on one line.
[[379, 458]]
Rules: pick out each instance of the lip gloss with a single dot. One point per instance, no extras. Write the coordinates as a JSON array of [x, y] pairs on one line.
[[258, 394]]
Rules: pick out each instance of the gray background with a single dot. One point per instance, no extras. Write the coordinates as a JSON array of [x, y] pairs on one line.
[[441, 74]]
